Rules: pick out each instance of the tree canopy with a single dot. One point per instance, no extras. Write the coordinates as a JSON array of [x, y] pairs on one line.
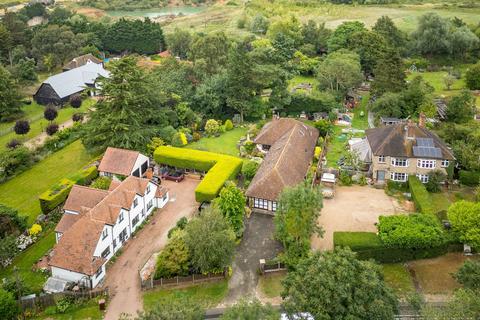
[[465, 219]]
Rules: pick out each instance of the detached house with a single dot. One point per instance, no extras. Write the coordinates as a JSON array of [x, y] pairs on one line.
[[96, 224], [81, 61], [400, 150], [289, 145], [123, 162], [59, 88]]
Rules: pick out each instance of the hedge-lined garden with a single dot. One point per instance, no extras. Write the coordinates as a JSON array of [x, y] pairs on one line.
[[420, 196], [221, 168]]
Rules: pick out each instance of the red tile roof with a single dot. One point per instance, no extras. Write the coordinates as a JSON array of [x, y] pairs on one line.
[[118, 161]]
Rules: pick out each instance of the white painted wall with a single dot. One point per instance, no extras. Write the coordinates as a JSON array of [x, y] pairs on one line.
[[138, 164], [70, 275], [104, 243]]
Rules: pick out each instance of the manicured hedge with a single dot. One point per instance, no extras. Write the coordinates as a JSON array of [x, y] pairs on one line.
[[55, 196], [368, 245], [420, 195], [220, 168], [469, 178]]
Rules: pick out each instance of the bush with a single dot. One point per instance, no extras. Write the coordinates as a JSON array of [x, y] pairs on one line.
[[368, 245], [77, 117], [228, 125], [102, 183], [13, 161], [52, 129], [9, 309], [345, 178], [85, 176], [76, 101], [318, 152], [196, 136], [318, 102], [12, 144], [220, 168], [174, 259], [249, 169], [50, 113], [412, 231], [469, 178], [212, 127], [472, 77], [55, 196], [420, 196], [435, 179], [469, 275], [21, 127], [180, 225], [11, 222], [35, 229], [179, 139], [8, 250]]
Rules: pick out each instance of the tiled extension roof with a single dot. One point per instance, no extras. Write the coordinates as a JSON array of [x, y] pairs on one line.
[[118, 161]]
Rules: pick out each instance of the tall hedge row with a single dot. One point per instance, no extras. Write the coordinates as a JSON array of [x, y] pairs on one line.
[[368, 245], [221, 168], [420, 195], [469, 178]]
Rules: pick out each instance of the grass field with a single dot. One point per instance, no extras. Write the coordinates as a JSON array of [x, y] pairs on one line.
[[397, 277], [39, 125], [208, 294], [271, 285], [22, 191], [226, 143], [31, 112]]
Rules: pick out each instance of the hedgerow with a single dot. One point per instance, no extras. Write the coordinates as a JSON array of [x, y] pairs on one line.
[[221, 168], [420, 195]]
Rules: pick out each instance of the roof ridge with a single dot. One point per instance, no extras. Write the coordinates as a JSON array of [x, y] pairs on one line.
[[387, 137]]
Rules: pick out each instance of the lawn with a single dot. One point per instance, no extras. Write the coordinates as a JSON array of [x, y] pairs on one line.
[[226, 143], [87, 310], [435, 79], [271, 285], [336, 146], [39, 125], [440, 201], [358, 121], [31, 112], [207, 294], [22, 191], [397, 277], [302, 79], [24, 262]]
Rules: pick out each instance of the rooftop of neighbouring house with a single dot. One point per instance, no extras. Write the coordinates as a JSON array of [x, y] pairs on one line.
[[118, 161], [81, 60]]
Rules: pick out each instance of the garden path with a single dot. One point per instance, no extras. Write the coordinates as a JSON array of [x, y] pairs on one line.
[[123, 276]]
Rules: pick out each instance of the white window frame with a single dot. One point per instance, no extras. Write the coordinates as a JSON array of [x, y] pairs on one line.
[[104, 233], [381, 159], [148, 189], [394, 176], [120, 217], [106, 252], [260, 203], [445, 163], [99, 272], [135, 202], [149, 204], [274, 205], [423, 178], [399, 162], [426, 163], [135, 220]]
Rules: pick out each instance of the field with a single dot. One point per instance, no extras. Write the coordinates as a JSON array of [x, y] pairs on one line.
[[226, 143], [22, 191], [207, 294]]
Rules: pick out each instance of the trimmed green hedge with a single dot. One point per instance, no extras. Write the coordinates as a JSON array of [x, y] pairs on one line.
[[368, 245], [221, 168], [56, 195], [469, 178], [420, 195]]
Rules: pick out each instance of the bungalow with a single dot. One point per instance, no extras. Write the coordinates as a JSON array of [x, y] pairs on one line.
[[96, 224], [123, 162], [59, 88], [289, 146], [81, 61]]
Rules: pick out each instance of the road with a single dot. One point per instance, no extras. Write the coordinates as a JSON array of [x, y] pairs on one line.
[[123, 277]]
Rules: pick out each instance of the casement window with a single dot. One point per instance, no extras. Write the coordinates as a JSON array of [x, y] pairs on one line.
[[104, 233], [260, 203], [423, 177], [99, 272], [445, 163], [148, 189], [149, 204], [381, 159], [399, 162], [398, 176], [426, 163], [135, 202], [143, 213], [135, 221], [120, 217], [106, 253], [164, 198], [274, 206]]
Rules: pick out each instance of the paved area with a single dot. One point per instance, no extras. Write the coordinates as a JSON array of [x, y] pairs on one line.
[[123, 277], [257, 243], [353, 208]]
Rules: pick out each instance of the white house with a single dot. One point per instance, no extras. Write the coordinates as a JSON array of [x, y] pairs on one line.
[[96, 224], [123, 162]]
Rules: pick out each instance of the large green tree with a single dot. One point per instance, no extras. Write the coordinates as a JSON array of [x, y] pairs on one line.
[[472, 77], [432, 36], [210, 51], [296, 220], [340, 38], [250, 310], [461, 108], [465, 219], [231, 203], [9, 308], [179, 42], [10, 105], [336, 285], [371, 47], [387, 29], [389, 73], [210, 241], [120, 119]]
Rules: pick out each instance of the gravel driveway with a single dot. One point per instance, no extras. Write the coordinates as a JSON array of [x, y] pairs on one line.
[[123, 277], [353, 208]]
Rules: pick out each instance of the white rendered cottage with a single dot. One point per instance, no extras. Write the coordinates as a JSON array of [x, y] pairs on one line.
[[123, 162], [96, 224]]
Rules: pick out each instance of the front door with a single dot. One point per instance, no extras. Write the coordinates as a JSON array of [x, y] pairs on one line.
[[381, 175]]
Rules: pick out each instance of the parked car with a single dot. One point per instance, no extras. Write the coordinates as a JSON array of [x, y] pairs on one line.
[[173, 175]]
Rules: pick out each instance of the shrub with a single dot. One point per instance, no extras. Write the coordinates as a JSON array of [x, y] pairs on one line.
[[77, 117], [472, 77], [179, 139], [13, 161], [9, 309], [154, 144], [52, 128], [50, 113], [249, 169], [35, 229], [318, 152], [220, 168], [174, 259], [11, 222], [249, 146], [231, 203], [63, 304], [8, 250], [469, 275], [212, 127], [412, 231], [85, 176], [435, 179], [420, 196], [12, 144], [102, 183], [196, 136], [21, 127], [228, 125], [345, 178], [180, 225], [76, 101], [55, 196], [464, 217], [469, 178]]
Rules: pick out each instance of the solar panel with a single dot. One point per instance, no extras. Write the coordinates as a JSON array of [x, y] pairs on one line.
[[425, 142], [428, 152]]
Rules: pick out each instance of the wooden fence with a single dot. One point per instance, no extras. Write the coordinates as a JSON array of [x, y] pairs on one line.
[[271, 267], [50, 299], [151, 283]]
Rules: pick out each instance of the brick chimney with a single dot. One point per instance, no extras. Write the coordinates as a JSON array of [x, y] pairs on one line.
[[409, 131], [422, 120], [149, 173]]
